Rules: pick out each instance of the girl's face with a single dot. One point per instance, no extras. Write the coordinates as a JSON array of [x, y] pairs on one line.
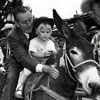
[[44, 31]]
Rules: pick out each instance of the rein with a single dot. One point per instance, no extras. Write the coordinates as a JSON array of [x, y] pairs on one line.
[[73, 67]]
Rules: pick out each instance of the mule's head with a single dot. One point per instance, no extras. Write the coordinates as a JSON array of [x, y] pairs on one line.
[[80, 52]]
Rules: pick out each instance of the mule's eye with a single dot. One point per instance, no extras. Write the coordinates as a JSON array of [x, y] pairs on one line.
[[73, 52]]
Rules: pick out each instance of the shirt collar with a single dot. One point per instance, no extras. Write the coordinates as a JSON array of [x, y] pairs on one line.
[[27, 35]]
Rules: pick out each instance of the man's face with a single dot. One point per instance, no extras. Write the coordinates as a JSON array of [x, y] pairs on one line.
[[25, 21], [44, 31]]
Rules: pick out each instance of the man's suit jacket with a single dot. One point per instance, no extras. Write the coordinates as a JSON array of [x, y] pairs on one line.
[[19, 45]]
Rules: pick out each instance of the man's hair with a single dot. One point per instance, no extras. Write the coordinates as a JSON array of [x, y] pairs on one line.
[[20, 9]]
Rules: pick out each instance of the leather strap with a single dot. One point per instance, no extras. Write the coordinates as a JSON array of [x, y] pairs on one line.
[[52, 93]]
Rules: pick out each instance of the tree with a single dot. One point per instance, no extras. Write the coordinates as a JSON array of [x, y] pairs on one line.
[[6, 8]]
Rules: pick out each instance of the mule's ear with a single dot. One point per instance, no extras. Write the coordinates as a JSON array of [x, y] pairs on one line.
[[61, 25], [80, 29]]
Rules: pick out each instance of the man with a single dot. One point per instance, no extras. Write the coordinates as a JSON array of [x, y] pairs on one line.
[[92, 7], [18, 40]]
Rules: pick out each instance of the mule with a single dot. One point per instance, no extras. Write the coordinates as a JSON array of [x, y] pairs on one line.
[[78, 67]]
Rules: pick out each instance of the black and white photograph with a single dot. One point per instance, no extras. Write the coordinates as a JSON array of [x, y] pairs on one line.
[[49, 49]]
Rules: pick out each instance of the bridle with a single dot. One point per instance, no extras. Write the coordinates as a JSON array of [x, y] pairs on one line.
[[69, 67]]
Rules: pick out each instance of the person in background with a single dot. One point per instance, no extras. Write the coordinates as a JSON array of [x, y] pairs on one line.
[[18, 40], [40, 48], [3, 41], [93, 7], [96, 43]]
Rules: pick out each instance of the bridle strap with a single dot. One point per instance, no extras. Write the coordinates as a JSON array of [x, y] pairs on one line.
[[66, 56], [86, 61], [67, 59]]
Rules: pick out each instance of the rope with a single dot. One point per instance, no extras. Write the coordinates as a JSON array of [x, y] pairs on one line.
[[86, 61]]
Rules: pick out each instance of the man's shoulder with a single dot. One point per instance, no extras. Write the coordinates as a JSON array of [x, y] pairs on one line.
[[13, 33]]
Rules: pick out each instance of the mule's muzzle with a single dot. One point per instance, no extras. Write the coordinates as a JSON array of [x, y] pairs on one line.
[[95, 88]]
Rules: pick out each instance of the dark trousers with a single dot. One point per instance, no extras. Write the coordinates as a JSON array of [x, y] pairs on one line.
[[12, 79]]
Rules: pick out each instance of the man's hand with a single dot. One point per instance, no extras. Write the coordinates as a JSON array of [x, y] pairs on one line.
[[51, 70]]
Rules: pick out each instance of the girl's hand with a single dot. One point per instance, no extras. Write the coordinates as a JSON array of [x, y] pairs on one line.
[[47, 53]]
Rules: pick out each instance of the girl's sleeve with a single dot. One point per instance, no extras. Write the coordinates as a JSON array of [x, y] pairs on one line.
[[32, 46], [52, 46]]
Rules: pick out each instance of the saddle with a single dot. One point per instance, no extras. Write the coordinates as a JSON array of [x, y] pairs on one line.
[[34, 82]]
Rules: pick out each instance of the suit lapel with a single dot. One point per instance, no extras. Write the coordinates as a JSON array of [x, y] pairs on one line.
[[23, 37], [25, 40]]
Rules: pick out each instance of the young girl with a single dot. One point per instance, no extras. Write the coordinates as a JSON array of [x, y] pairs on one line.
[[40, 48]]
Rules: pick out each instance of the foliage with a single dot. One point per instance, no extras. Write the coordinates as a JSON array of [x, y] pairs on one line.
[[6, 7]]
